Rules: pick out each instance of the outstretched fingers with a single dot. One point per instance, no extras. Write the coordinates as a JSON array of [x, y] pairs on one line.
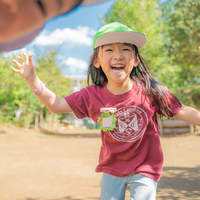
[[30, 60], [16, 70], [25, 56], [17, 63], [20, 59], [25, 65]]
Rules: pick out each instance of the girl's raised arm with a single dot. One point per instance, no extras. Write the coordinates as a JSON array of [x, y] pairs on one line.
[[47, 97], [189, 114]]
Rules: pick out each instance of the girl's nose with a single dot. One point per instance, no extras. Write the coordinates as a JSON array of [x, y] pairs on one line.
[[118, 55], [13, 6]]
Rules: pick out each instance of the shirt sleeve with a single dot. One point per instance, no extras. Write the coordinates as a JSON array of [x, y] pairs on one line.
[[173, 103], [175, 106]]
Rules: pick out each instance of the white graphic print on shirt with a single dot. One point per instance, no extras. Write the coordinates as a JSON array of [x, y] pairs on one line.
[[130, 124]]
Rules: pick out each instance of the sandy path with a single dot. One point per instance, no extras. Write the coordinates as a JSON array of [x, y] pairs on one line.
[[36, 166]]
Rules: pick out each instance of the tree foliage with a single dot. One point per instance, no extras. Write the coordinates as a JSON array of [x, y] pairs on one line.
[[182, 38], [16, 95]]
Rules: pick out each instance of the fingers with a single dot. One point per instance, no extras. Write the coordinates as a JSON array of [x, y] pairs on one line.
[[20, 59], [15, 70], [16, 63], [30, 59], [199, 48], [25, 56]]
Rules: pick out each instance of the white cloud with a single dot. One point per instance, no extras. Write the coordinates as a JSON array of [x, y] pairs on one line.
[[73, 62], [75, 66], [80, 35]]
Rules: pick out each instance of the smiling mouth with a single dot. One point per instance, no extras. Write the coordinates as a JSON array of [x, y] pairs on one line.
[[117, 68]]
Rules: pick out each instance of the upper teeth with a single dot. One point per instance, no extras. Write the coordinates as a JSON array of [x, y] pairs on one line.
[[117, 65]]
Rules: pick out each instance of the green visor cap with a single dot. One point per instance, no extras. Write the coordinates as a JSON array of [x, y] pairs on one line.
[[116, 32]]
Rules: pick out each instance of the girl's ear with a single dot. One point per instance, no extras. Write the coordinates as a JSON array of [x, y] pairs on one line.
[[137, 61], [96, 62], [91, 57]]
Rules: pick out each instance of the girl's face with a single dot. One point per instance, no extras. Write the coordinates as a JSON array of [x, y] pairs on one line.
[[117, 61], [18, 17]]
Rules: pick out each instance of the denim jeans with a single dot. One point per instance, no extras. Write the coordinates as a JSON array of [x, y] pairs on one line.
[[141, 187]]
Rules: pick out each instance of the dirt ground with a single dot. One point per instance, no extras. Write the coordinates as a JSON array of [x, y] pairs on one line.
[[51, 166]]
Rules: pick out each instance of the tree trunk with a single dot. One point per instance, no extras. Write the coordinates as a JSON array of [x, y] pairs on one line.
[[55, 121], [50, 119], [36, 121], [41, 118]]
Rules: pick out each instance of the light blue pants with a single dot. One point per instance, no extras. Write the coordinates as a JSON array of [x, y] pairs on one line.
[[141, 187]]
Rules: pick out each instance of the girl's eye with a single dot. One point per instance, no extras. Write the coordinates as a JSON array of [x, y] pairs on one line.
[[108, 50], [126, 49], [41, 6]]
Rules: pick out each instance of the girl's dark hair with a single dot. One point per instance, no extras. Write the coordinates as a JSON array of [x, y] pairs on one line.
[[158, 93]]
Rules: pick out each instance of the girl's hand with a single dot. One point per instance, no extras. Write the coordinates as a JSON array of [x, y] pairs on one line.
[[199, 48], [26, 68]]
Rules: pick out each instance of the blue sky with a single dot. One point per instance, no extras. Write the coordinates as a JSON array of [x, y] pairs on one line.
[[71, 35]]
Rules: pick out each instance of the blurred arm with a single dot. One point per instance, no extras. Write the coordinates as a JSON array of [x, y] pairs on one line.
[[189, 115]]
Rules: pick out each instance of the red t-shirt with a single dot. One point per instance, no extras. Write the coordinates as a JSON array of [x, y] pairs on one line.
[[133, 147]]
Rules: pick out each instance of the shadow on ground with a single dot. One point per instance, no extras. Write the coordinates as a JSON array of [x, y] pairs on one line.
[[179, 183], [176, 183]]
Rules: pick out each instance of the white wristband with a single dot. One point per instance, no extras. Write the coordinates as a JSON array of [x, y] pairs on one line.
[[39, 89]]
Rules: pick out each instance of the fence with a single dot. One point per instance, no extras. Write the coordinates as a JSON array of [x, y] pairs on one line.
[[175, 127]]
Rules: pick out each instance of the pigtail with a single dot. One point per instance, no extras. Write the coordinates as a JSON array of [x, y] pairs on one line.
[[158, 93], [96, 75]]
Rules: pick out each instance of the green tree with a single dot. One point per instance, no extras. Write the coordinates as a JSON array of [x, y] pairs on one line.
[[12, 91], [182, 37], [15, 94]]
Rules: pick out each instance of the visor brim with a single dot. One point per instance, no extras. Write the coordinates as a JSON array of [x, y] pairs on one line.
[[135, 38]]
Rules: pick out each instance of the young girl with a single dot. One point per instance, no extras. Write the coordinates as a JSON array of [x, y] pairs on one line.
[[125, 100]]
